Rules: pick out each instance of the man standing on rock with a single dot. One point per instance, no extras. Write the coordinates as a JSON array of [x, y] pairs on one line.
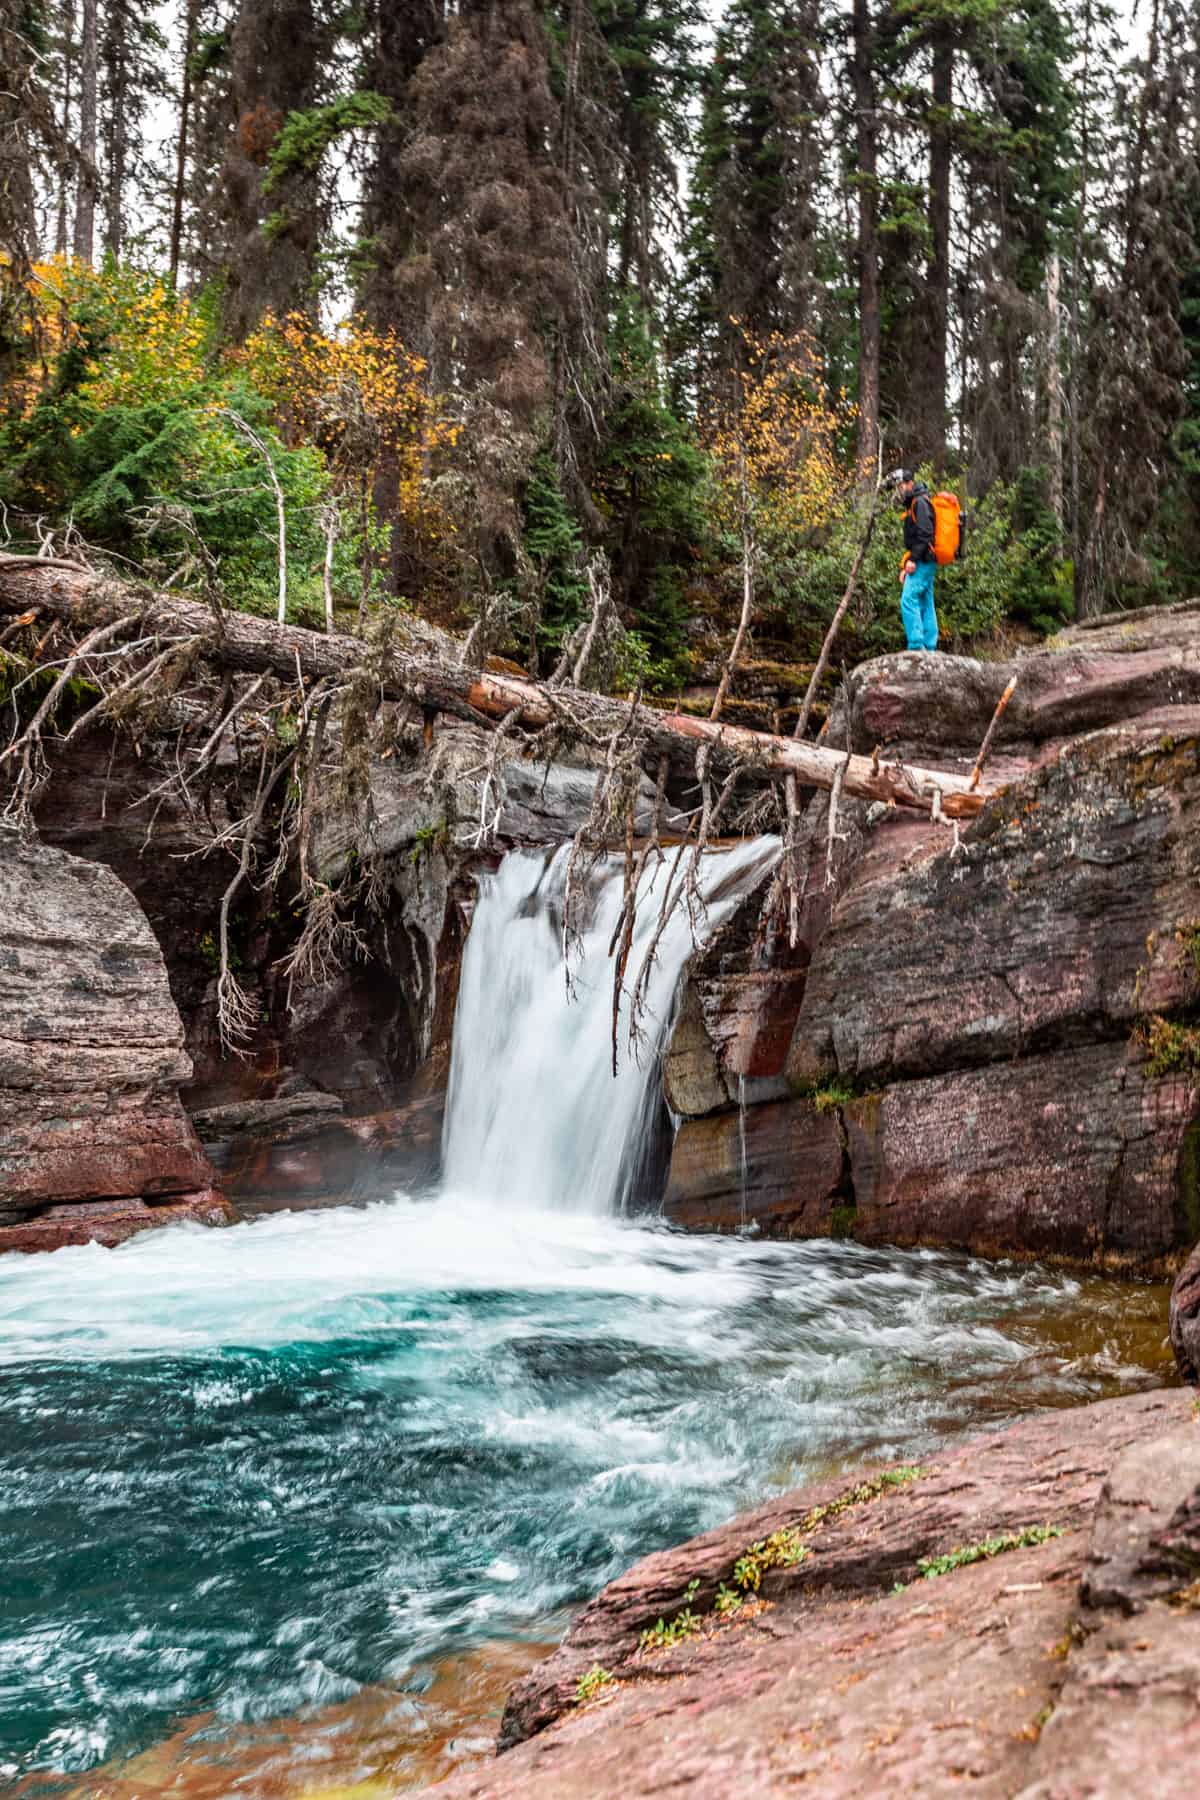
[[918, 564]]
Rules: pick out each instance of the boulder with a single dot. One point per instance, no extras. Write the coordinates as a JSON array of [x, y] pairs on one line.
[[1185, 1295], [1055, 921], [946, 702], [848, 1674], [94, 1142], [301, 1148], [1130, 1704]]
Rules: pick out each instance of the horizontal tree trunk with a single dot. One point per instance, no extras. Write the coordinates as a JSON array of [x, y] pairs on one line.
[[243, 643]]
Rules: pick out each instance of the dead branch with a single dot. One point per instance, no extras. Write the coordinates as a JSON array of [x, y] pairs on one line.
[[822, 662], [237, 1014], [990, 733], [27, 746], [257, 443]]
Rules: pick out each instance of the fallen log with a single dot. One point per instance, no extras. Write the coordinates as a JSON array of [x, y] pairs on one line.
[[242, 643]]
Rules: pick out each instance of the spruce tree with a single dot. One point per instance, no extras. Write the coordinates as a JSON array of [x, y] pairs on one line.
[[1138, 361]]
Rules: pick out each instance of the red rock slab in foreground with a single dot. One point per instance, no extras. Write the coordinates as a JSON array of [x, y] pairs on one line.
[[841, 1687]]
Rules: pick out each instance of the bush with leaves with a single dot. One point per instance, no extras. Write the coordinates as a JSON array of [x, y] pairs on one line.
[[132, 426]]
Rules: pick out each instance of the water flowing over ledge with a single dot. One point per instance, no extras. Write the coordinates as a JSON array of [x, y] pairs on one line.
[[535, 1115]]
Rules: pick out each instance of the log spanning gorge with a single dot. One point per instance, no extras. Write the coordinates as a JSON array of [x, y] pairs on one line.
[[258, 1480]]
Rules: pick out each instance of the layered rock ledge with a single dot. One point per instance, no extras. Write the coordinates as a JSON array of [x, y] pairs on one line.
[[94, 1141], [1059, 1665], [982, 1019]]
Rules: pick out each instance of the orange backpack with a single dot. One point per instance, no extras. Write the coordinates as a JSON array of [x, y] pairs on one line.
[[947, 527]]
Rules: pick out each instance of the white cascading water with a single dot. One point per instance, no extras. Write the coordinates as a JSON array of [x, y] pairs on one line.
[[535, 1116]]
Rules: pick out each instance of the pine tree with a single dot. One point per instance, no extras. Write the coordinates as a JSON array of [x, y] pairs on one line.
[[132, 51], [1138, 359], [653, 49], [269, 218], [484, 278], [647, 486], [1017, 165], [755, 212]]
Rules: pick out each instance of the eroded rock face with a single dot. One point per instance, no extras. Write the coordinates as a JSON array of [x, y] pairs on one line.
[[976, 1006], [1053, 923], [988, 1675], [1185, 1295], [94, 1143], [782, 1162], [1073, 1155]]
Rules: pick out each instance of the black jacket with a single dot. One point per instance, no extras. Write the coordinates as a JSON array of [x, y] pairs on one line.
[[918, 524]]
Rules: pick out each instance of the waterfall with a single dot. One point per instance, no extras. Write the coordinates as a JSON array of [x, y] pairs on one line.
[[535, 1116]]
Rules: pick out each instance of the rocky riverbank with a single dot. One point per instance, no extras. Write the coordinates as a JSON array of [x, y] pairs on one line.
[[1018, 1614]]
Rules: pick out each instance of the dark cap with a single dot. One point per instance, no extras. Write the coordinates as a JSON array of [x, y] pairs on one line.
[[898, 477]]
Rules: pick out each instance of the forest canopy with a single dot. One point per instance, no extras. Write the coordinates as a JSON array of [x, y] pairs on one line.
[[446, 306]]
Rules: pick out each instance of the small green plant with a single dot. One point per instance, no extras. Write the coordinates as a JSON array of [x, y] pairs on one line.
[[430, 838], [930, 1567], [728, 1601], [685, 1624], [596, 1681], [870, 1489], [841, 1221], [828, 1094], [782, 1550], [1172, 1047]]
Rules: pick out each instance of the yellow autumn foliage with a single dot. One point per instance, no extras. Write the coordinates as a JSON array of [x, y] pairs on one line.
[[775, 448]]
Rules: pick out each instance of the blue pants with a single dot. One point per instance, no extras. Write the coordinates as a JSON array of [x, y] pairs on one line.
[[916, 607]]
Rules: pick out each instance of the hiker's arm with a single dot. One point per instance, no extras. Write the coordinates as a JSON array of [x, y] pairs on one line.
[[922, 550]]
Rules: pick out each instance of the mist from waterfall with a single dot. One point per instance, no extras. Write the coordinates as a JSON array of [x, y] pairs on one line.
[[535, 1115]]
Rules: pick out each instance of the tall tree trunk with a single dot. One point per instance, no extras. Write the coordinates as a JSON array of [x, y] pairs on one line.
[[85, 194], [276, 58], [933, 406], [186, 89], [117, 26], [1054, 398], [62, 227], [1075, 317], [869, 318]]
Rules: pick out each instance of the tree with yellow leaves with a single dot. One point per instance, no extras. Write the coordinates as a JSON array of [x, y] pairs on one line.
[[780, 475], [361, 398]]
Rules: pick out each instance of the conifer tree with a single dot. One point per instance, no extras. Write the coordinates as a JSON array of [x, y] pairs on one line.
[[268, 231], [755, 213], [1138, 357], [653, 50]]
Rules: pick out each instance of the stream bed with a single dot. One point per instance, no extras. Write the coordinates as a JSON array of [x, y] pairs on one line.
[[304, 1468]]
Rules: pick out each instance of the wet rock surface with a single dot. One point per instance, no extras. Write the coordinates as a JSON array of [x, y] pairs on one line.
[[782, 1162], [94, 1142], [992, 1674], [1071, 1155]]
